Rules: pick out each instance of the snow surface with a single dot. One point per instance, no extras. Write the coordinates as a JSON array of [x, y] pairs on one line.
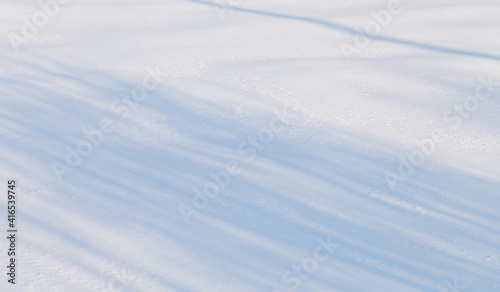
[[229, 70]]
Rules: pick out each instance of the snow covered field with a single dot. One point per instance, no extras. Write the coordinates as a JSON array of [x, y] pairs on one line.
[[251, 145]]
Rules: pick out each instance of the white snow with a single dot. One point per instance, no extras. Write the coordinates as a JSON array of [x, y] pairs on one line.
[[324, 189]]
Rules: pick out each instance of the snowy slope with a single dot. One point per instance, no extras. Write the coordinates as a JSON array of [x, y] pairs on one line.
[[251, 145]]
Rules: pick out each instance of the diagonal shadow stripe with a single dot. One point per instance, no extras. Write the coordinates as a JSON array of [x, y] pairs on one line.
[[348, 30]]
